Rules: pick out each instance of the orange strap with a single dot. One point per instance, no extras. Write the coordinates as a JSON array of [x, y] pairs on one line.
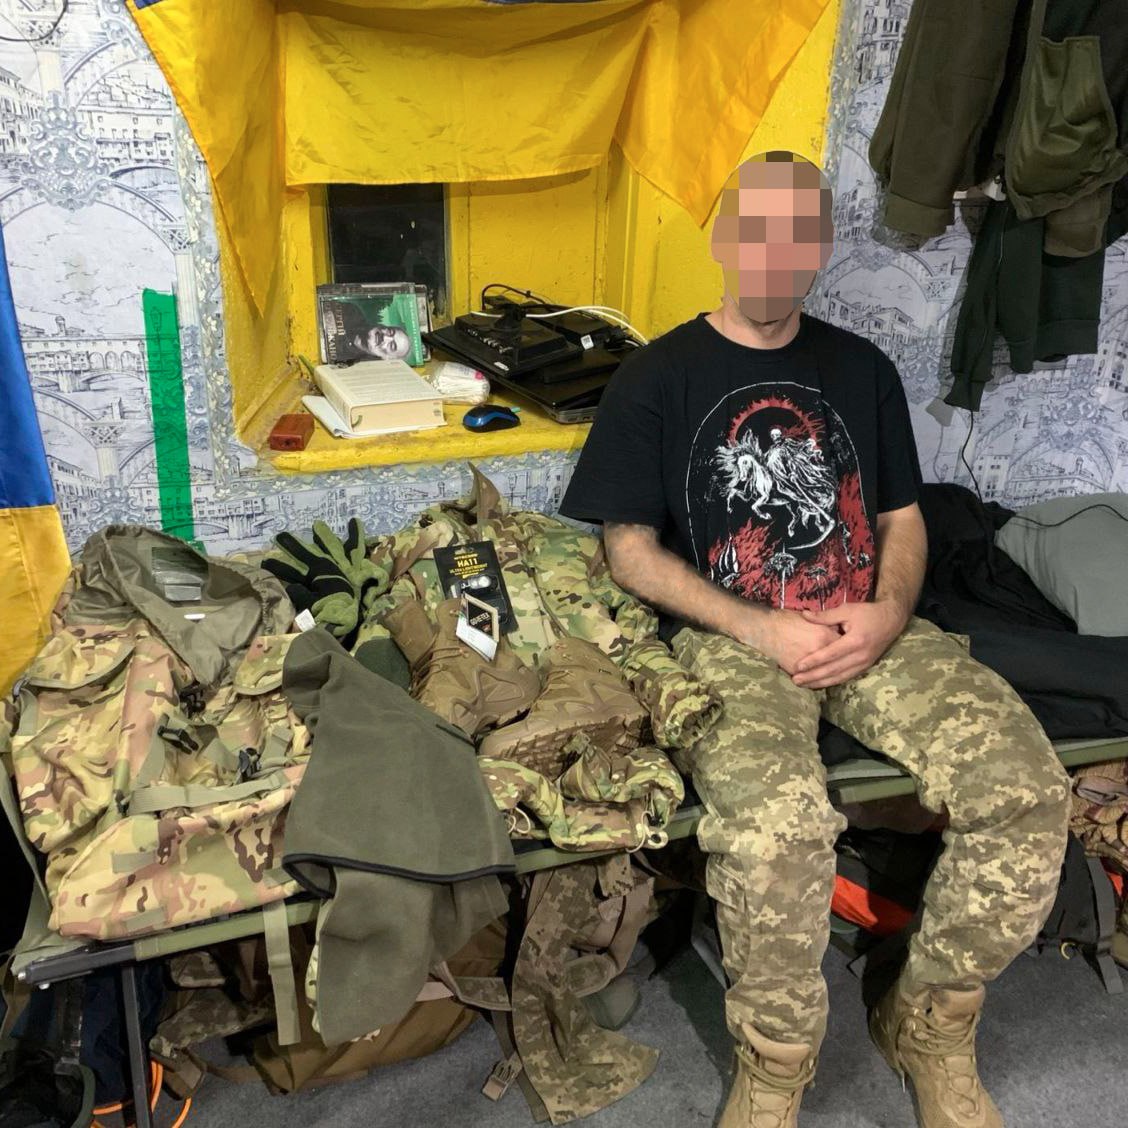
[[157, 1079], [1115, 877]]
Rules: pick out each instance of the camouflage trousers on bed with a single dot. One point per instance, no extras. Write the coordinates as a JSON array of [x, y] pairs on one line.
[[975, 751]]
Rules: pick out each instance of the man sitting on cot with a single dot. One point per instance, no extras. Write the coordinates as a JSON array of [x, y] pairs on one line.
[[756, 476]]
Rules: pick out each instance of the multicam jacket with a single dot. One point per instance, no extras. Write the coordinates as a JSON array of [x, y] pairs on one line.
[[154, 756], [606, 800], [1099, 815], [559, 584]]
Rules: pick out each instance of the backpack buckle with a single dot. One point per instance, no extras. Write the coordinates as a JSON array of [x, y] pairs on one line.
[[192, 698], [249, 761], [502, 1077], [181, 738]]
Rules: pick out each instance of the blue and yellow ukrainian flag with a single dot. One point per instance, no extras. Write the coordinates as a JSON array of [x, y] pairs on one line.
[[33, 553]]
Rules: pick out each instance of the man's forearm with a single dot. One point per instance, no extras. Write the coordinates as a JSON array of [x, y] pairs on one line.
[[902, 550], [663, 580]]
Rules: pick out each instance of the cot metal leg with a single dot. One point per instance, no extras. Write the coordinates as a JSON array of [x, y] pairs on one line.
[[138, 1059]]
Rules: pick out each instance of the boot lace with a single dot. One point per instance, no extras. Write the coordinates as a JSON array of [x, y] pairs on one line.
[[773, 1094], [956, 1050]]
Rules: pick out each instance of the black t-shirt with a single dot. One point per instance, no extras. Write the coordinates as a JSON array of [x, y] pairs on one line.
[[764, 468]]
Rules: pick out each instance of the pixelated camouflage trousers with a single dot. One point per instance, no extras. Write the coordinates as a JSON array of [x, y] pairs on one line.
[[975, 751]]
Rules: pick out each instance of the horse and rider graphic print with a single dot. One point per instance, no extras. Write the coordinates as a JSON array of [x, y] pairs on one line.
[[768, 470], [787, 523]]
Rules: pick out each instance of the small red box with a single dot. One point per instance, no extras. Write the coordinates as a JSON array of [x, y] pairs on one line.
[[291, 432]]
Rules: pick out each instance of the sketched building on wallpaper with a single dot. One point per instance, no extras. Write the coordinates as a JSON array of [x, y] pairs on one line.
[[20, 109], [882, 32], [91, 155]]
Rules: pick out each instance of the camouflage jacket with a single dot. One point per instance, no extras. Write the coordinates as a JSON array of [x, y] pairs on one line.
[[154, 755], [559, 584], [1099, 815], [606, 800]]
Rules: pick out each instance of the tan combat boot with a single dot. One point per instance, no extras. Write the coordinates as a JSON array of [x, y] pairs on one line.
[[769, 1083], [928, 1035], [584, 692], [455, 681]]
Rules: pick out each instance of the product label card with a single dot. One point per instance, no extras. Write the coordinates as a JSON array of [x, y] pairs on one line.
[[179, 573], [478, 626], [473, 569]]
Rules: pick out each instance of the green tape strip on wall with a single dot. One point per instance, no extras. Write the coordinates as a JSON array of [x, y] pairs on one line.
[[170, 423]]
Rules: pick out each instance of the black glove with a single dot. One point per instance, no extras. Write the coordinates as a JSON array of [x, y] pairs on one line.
[[333, 579]]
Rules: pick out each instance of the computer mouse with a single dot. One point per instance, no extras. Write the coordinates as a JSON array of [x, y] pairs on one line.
[[489, 417]]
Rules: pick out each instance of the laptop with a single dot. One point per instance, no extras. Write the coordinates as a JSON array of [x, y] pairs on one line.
[[568, 390]]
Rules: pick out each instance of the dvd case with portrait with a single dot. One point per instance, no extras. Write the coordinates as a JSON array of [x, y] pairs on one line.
[[373, 321]]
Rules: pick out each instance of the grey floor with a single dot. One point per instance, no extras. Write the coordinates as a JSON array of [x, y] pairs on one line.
[[1053, 1051]]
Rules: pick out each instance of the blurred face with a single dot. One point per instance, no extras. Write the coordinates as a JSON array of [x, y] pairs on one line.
[[772, 235], [389, 342]]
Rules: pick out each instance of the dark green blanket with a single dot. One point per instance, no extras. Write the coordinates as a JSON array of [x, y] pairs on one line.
[[393, 823]]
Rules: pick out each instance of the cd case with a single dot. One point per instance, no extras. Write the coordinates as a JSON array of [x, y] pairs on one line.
[[373, 321]]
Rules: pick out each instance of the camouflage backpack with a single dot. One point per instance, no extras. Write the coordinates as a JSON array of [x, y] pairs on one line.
[[154, 755]]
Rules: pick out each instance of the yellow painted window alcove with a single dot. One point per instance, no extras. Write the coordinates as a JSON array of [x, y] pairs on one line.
[[541, 156]]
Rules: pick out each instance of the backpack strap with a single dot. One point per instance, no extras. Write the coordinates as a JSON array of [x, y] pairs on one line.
[[1083, 917], [190, 1066], [590, 973], [279, 961], [1071, 918], [511, 1068], [165, 796], [1106, 928], [485, 992]]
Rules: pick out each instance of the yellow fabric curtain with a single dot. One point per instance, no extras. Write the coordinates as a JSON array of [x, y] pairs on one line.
[[222, 63], [409, 91], [447, 90]]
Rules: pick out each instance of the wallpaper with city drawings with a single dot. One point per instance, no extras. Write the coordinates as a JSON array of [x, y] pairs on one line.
[[103, 194]]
